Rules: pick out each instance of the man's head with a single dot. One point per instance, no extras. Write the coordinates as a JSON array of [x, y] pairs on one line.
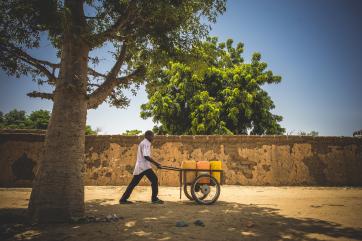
[[149, 135]]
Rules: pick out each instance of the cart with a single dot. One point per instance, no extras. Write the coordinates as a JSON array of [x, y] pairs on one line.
[[203, 189]]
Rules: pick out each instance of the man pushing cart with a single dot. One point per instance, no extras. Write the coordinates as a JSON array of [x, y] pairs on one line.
[[200, 180]]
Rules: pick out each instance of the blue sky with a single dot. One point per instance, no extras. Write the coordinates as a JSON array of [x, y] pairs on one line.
[[315, 45]]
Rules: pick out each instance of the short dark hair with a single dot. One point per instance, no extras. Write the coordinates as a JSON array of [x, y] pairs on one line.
[[149, 133]]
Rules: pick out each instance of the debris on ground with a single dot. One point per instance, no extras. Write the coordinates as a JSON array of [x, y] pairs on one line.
[[93, 219], [181, 224], [249, 224], [199, 223]]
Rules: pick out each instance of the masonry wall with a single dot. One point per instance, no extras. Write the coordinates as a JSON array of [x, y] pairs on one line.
[[247, 160]]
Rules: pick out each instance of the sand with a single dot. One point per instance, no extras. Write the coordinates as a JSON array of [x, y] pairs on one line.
[[241, 213]]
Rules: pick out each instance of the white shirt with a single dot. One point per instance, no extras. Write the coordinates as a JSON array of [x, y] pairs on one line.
[[144, 149]]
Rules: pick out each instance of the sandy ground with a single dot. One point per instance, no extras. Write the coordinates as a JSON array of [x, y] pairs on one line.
[[241, 213]]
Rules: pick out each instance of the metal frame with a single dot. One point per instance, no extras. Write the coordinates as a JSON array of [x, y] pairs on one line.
[[182, 174]]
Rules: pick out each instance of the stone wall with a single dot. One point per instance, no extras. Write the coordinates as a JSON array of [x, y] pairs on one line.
[[247, 160]]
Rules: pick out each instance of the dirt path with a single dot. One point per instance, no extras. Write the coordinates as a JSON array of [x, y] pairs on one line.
[[242, 213]]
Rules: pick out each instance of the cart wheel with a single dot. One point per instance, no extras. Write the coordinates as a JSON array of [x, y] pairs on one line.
[[205, 193], [187, 191]]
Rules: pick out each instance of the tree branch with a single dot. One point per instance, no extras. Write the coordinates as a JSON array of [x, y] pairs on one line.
[[105, 90], [95, 73], [111, 32], [36, 63], [36, 94], [92, 85]]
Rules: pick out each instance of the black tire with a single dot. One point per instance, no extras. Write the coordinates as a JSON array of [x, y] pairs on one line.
[[187, 194], [202, 199]]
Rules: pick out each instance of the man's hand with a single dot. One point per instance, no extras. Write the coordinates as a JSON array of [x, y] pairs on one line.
[[158, 165]]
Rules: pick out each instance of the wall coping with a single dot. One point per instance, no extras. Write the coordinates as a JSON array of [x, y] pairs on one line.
[[19, 135]]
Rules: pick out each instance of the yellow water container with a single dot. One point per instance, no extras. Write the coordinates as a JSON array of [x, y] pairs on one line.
[[205, 165], [190, 175], [216, 165]]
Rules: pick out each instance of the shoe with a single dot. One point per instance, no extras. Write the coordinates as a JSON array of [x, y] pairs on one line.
[[158, 201], [125, 202]]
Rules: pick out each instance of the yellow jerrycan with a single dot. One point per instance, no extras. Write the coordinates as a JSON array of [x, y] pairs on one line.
[[190, 175], [216, 165]]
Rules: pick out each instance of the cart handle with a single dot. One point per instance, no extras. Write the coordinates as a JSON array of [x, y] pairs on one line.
[[170, 168], [193, 170]]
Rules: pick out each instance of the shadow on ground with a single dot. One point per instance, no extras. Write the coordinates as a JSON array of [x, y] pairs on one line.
[[145, 221]]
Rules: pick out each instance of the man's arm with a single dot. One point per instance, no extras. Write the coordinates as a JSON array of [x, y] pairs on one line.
[[148, 158]]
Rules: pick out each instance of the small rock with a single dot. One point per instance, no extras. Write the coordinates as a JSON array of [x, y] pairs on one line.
[[8, 230], [103, 219], [76, 219], [109, 218], [249, 224], [199, 223], [181, 224]]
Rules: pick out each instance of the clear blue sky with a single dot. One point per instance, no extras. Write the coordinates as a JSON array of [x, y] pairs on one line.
[[315, 45]]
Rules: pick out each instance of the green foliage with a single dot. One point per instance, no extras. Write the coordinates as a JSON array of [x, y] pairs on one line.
[[358, 133], [16, 119], [89, 131], [314, 133], [213, 91], [1, 119], [132, 132], [152, 31], [311, 133], [39, 119]]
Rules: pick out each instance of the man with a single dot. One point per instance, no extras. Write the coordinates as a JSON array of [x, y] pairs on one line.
[[143, 168]]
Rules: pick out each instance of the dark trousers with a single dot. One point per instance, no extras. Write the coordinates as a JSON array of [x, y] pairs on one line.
[[137, 178]]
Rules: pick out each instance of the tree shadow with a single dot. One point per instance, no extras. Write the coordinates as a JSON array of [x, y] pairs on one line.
[[146, 221]]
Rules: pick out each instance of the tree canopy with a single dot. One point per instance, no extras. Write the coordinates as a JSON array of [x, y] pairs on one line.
[[213, 92], [142, 35], [311, 133], [134, 132], [357, 133], [90, 131], [17, 119], [38, 119]]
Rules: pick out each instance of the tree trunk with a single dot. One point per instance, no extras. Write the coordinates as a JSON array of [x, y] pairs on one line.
[[58, 191]]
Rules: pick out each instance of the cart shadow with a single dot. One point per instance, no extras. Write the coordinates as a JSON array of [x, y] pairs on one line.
[[146, 221]]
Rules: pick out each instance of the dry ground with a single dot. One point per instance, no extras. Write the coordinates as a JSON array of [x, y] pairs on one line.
[[242, 213]]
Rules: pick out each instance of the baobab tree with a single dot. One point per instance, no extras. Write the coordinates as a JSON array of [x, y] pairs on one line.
[[143, 35]]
